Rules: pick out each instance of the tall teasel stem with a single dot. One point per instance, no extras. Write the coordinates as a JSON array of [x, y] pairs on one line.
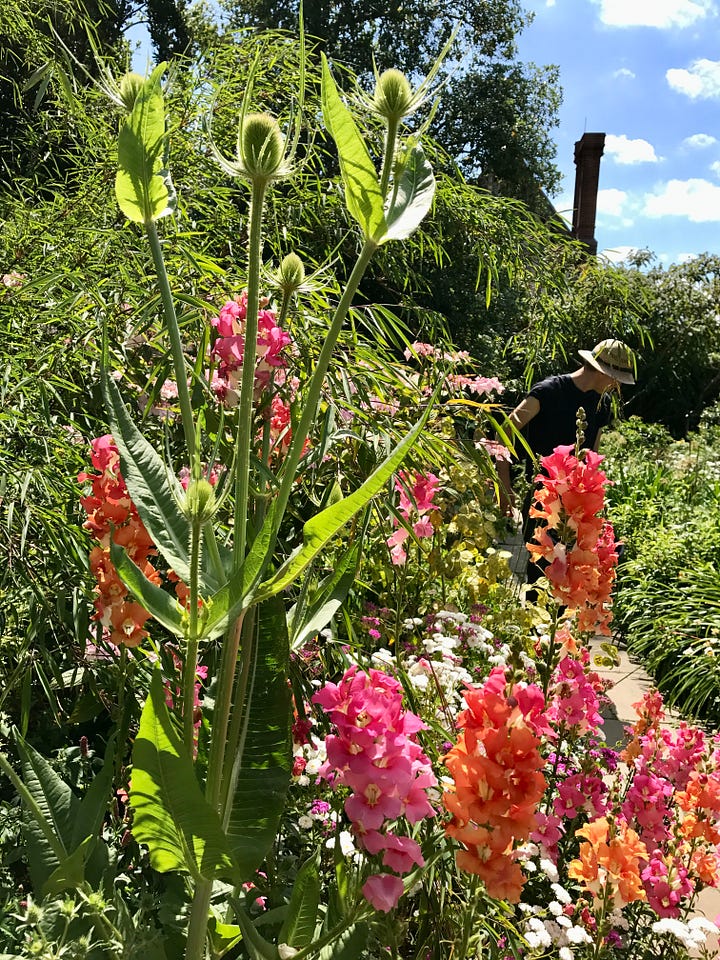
[[247, 388], [173, 328], [191, 649]]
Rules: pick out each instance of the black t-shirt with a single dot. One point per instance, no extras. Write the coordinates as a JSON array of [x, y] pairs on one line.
[[555, 422]]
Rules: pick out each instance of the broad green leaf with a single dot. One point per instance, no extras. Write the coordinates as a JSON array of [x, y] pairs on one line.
[[350, 944], [171, 816], [264, 764], [143, 187], [52, 808], [146, 477], [237, 594], [362, 188], [320, 529], [317, 613], [412, 197], [257, 947], [299, 928], [162, 605], [70, 873], [223, 936]]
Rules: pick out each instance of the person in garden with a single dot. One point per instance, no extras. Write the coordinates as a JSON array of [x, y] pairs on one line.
[[548, 417]]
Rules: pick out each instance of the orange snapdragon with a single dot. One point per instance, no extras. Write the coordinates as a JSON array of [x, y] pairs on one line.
[[496, 767], [609, 862]]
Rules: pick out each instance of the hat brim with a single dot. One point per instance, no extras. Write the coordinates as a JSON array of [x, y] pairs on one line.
[[622, 376]]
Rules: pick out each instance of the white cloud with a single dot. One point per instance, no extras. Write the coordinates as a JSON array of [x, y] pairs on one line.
[[700, 140], [617, 254], [624, 150], [611, 203], [701, 81], [624, 74], [654, 13], [695, 199], [715, 167]]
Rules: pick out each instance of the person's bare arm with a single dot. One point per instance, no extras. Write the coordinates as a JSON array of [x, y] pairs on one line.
[[522, 414]]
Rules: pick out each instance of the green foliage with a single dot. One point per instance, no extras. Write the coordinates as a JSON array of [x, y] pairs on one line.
[[171, 815], [665, 504], [679, 368], [495, 113], [143, 187]]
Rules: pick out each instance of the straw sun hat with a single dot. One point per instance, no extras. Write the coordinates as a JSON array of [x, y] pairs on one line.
[[613, 358]]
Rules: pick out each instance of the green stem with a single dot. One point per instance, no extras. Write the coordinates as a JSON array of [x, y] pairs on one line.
[[238, 728], [247, 388], [175, 339], [221, 715], [197, 927], [312, 398], [191, 652], [389, 155]]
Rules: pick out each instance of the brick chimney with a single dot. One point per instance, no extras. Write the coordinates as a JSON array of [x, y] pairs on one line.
[[588, 150]]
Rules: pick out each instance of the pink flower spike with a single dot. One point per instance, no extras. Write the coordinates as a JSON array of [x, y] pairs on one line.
[[402, 853], [383, 891]]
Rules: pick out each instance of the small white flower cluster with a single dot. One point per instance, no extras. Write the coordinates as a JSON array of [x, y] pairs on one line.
[[549, 926], [347, 846], [441, 670], [314, 754], [693, 934]]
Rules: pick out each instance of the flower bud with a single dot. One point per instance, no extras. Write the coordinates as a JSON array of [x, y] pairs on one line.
[[291, 274], [393, 95], [130, 87], [260, 146], [199, 501]]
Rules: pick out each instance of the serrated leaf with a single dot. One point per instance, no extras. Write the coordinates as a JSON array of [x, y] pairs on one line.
[[299, 928], [52, 808], [158, 602], [147, 481], [362, 188], [171, 816], [70, 872], [265, 762], [143, 187], [321, 528], [412, 198], [237, 594]]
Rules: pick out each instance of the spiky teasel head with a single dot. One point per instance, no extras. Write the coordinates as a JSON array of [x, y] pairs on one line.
[[291, 274], [261, 148], [129, 89], [393, 97], [200, 503]]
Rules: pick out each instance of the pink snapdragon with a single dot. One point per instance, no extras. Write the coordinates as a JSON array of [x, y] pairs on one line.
[[375, 753], [417, 509], [229, 347]]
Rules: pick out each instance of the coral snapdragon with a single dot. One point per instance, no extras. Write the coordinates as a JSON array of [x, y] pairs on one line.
[[113, 516], [577, 544]]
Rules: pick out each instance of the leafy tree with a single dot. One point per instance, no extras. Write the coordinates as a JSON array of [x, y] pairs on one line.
[[679, 372], [495, 113]]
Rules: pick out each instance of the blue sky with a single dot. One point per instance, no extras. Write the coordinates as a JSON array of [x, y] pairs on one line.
[[647, 74]]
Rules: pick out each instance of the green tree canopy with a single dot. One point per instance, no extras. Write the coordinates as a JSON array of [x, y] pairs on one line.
[[495, 114]]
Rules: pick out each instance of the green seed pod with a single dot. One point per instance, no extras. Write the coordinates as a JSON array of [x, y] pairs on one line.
[[199, 501], [130, 87], [261, 146], [393, 95], [291, 274]]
